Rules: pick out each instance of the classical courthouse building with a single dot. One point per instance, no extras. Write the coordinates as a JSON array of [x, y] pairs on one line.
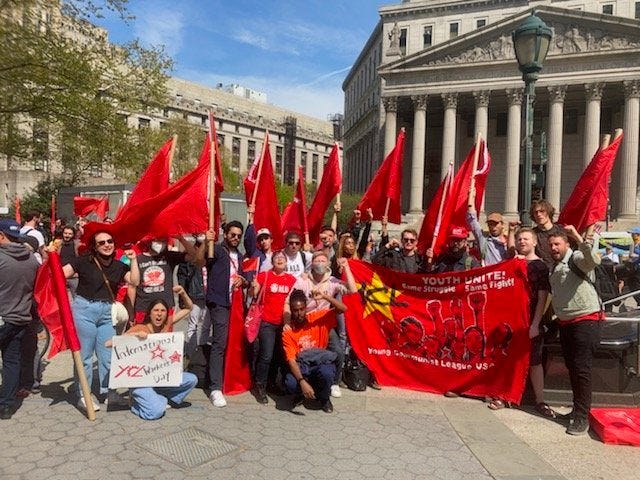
[[445, 70], [242, 118]]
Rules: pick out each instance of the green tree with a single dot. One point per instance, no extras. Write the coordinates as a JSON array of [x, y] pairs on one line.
[[65, 91]]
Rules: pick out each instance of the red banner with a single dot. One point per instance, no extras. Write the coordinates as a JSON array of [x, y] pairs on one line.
[[237, 374], [464, 332]]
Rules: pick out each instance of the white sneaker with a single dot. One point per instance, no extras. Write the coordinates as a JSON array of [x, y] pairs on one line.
[[335, 391], [218, 399], [83, 405]]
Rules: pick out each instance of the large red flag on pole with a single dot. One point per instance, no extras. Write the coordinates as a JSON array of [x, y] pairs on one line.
[[294, 215], [237, 374], [383, 194], [456, 205], [216, 189], [588, 201], [17, 209], [154, 179], [83, 206], [329, 187], [180, 209], [260, 189]]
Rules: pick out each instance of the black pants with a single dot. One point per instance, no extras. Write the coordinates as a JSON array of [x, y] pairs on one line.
[[579, 342], [220, 323], [335, 345], [269, 352]]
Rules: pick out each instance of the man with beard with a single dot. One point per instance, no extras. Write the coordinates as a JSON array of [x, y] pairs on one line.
[[156, 265], [493, 247], [577, 306], [298, 261], [224, 274], [69, 251], [401, 258], [455, 258]]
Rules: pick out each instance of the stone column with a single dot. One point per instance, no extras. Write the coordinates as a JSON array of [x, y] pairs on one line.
[[390, 120], [629, 170], [417, 156], [554, 144], [482, 113], [514, 127], [450, 101], [592, 122]]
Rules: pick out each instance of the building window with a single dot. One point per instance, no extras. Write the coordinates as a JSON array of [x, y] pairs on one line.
[[279, 154], [481, 22], [144, 123], [314, 168], [501, 125], [237, 128], [607, 9], [427, 36], [454, 29], [637, 14], [235, 154], [220, 141], [303, 161], [95, 170], [403, 41], [571, 122], [251, 150]]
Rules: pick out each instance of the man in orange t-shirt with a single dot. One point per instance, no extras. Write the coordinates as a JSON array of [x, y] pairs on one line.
[[305, 347]]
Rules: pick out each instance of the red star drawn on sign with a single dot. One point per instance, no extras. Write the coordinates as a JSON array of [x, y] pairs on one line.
[[175, 357], [157, 352]]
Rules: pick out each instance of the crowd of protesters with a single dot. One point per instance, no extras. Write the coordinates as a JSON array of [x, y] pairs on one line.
[[300, 349]]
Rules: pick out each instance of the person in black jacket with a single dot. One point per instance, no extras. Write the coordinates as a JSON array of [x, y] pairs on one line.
[[401, 255]]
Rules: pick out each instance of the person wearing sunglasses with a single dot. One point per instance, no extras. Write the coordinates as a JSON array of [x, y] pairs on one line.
[[99, 276], [401, 255], [298, 261], [224, 275]]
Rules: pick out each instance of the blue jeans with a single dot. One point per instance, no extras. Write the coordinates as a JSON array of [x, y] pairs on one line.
[[320, 377], [268, 337], [10, 344], [149, 403], [335, 345], [93, 323]]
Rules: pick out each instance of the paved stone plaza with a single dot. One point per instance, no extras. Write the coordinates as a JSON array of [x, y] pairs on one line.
[[388, 434]]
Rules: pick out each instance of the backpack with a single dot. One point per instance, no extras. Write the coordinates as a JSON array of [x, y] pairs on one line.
[[604, 284], [355, 374]]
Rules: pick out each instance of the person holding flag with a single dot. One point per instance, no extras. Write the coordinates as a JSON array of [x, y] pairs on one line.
[[493, 247], [401, 257], [456, 257]]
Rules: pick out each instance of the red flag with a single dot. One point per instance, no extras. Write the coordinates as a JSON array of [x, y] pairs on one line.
[[294, 215], [212, 141], [50, 294], [237, 375], [434, 333], [456, 205], [250, 264], [260, 187], [17, 209], [588, 201], [83, 206], [180, 209], [154, 180], [386, 185], [52, 224], [329, 187]]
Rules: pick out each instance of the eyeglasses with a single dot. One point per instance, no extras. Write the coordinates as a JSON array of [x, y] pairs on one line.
[[408, 240], [292, 242], [234, 235], [101, 243]]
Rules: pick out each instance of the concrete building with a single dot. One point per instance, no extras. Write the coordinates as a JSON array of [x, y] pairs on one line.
[[445, 70], [242, 115]]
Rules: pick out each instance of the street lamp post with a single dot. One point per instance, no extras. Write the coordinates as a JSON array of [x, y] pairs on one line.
[[531, 42]]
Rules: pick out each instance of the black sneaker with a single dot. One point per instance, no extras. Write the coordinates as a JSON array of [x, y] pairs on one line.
[[327, 407], [297, 400], [6, 412], [261, 394], [578, 426]]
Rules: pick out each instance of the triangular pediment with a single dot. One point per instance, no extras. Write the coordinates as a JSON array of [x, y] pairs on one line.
[[574, 33]]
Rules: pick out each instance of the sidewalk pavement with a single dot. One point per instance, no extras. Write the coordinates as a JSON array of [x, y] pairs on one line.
[[391, 433]]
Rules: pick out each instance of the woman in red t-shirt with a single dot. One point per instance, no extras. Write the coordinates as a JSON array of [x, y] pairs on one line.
[[276, 284]]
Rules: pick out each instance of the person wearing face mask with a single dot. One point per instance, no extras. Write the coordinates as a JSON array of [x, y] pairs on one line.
[[99, 275], [156, 265], [324, 292]]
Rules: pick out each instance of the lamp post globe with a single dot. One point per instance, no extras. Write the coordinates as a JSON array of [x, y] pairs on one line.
[[531, 42]]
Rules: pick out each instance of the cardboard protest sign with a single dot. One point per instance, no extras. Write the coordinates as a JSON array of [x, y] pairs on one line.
[[153, 362]]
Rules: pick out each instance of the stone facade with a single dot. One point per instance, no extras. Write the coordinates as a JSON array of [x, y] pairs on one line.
[[448, 71]]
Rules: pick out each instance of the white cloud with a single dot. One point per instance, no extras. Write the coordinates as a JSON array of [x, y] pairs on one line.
[[160, 26]]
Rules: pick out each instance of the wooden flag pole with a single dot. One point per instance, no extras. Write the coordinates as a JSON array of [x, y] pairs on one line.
[[617, 133], [212, 186], [472, 186], [174, 140], [334, 218], [84, 385], [445, 194], [386, 208]]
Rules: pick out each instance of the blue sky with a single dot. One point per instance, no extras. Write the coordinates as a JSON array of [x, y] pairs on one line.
[[296, 51]]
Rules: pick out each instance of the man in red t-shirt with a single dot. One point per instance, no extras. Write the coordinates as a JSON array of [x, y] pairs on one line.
[[305, 347]]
